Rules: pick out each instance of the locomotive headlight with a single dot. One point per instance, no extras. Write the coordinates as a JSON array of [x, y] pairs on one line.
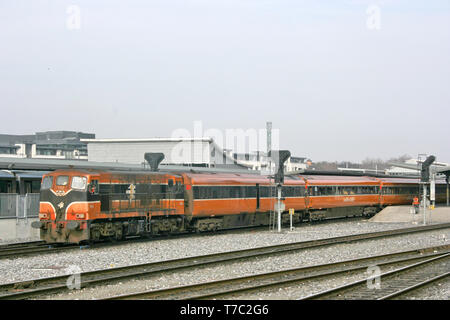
[[80, 215], [43, 216]]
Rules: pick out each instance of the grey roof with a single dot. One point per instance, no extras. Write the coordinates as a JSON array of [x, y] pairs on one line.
[[11, 139], [4, 145], [6, 174], [47, 137], [132, 140], [436, 168], [444, 170], [22, 174], [46, 164]]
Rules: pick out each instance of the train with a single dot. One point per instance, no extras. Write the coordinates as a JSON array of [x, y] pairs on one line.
[[78, 206]]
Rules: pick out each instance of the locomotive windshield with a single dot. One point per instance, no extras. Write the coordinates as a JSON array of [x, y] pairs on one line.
[[79, 183], [62, 180]]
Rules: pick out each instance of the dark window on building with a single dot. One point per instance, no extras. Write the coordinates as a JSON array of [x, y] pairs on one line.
[[8, 150], [46, 152], [5, 186], [35, 186]]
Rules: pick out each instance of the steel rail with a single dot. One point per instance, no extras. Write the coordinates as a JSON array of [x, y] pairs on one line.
[[41, 247], [415, 286], [220, 288], [32, 249], [20, 244], [39, 286], [398, 281]]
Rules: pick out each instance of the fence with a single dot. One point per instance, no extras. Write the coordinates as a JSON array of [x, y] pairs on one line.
[[19, 206]]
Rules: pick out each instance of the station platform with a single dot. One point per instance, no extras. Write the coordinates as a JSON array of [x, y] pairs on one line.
[[18, 230], [439, 214]]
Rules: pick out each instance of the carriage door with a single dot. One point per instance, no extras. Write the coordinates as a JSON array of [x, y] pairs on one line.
[[381, 193], [186, 184], [257, 196]]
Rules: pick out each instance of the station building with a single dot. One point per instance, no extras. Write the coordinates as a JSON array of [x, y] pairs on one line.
[[192, 152], [259, 160], [45, 145]]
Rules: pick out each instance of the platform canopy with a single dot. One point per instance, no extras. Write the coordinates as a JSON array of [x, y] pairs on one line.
[[51, 165]]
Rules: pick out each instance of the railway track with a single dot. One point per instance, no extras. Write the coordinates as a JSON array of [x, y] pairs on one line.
[[20, 244], [393, 283], [15, 250], [36, 287], [236, 286], [35, 247]]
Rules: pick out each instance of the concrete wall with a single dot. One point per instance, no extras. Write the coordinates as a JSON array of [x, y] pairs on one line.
[[11, 229]]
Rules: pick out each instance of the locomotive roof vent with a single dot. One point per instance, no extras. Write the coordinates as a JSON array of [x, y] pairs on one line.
[[154, 159]]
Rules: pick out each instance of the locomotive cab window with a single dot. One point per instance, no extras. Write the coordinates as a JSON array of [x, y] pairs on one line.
[[62, 180], [79, 183], [47, 183]]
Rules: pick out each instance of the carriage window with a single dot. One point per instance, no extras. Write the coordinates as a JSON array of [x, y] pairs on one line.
[[47, 183], [79, 183], [62, 180]]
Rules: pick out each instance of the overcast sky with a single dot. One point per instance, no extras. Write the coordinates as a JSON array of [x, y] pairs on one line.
[[338, 82]]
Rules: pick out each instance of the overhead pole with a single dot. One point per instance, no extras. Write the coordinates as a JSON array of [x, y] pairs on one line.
[[424, 203], [269, 162], [279, 207], [447, 178], [424, 179]]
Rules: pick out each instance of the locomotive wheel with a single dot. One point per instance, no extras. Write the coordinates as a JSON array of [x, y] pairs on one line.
[[119, 235], [95, 235]]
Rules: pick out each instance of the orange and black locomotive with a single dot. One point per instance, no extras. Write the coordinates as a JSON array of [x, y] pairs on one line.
[[78, 205]]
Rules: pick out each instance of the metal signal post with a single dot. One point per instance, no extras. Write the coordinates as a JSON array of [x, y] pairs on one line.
[[279, 206], [280, 158], [424, 180], [424, 203]]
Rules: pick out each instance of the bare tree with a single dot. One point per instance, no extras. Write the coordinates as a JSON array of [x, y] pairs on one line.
[[367, 163]]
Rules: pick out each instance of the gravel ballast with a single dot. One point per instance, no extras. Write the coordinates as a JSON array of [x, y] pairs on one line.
[[191, 246], [52, 264], [439, 290]]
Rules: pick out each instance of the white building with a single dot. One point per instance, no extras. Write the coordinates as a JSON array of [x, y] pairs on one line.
[[396, 170], [196, 152], [260, 161], [296, 164]]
